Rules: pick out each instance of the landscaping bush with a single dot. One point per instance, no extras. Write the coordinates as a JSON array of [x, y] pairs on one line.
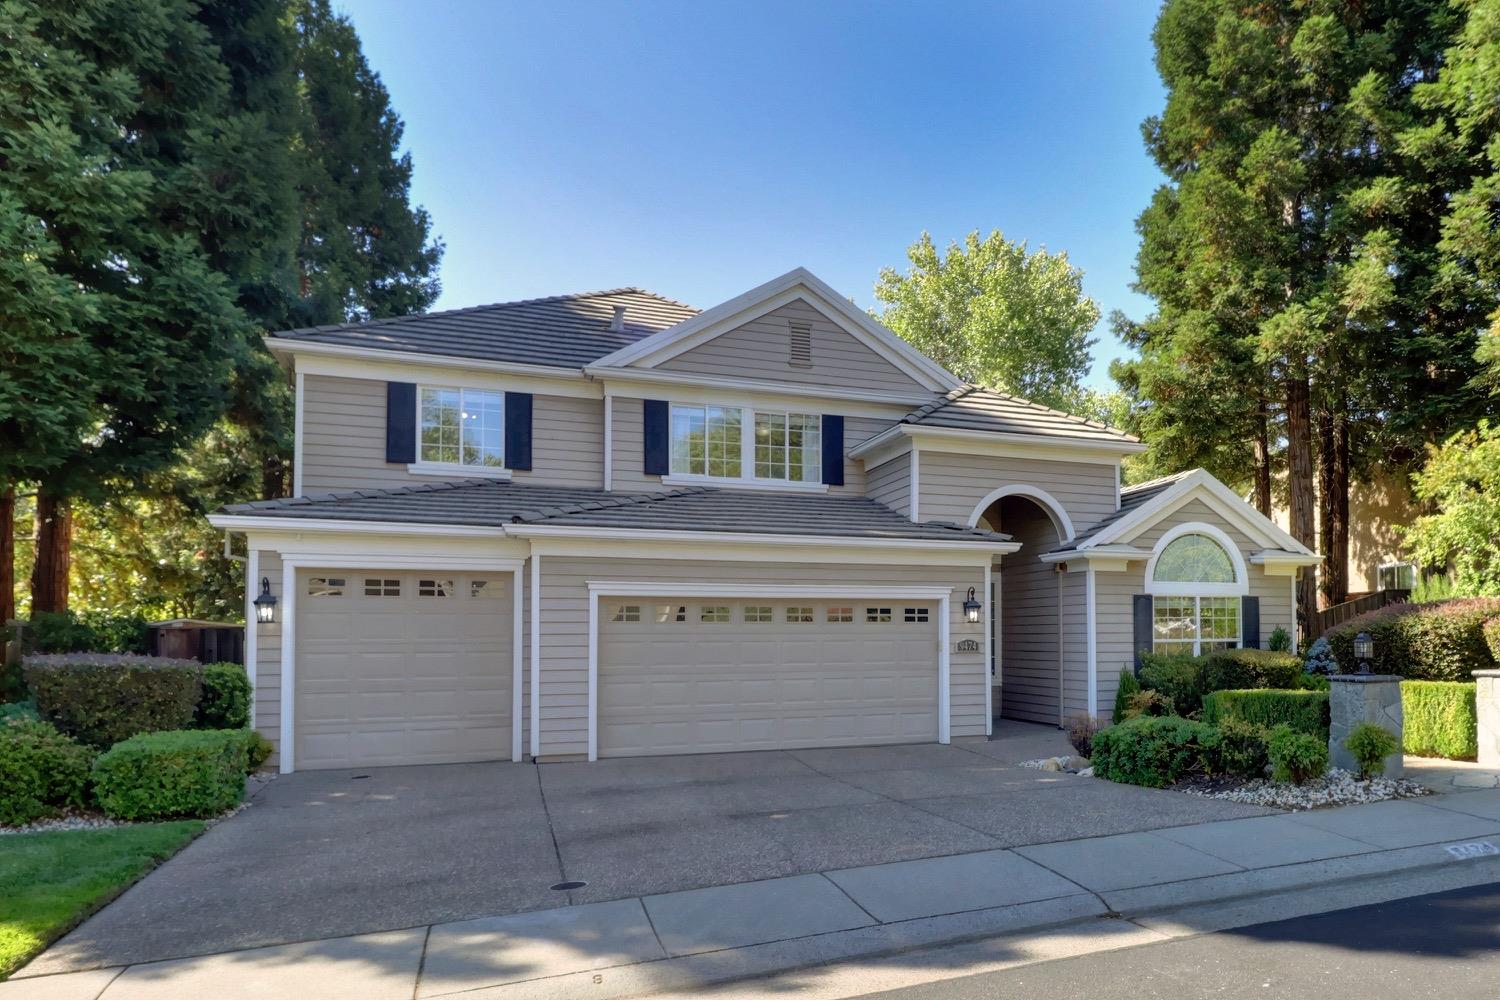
[[1296, 757], [1370, 745], [1440, 719], [1154, 751], [1312, 682], [1491, 630], [184, 773], [90, 632], [225, 702], [1176, 676], [102, 699], [1320, 661], [1128, 686], [1243, 749], [1081, 729], [19, 711], [1431, 642], [258, 750], [1148, 703], [41, 771], [1279, 641], [1302, 711], [1236, 669]]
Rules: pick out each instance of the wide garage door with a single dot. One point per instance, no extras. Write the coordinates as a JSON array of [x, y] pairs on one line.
[[680, 675], [397, 667]]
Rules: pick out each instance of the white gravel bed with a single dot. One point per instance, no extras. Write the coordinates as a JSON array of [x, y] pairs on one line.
[[1336, 788]]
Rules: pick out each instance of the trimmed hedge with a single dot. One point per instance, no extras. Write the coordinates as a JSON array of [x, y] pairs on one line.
[[1176, 676], [1443, 641], [1155, 751], [186, 773], [225, 702], [101, 699], [1237, 669], [1440, 719], [1302, 711], [42, 772]]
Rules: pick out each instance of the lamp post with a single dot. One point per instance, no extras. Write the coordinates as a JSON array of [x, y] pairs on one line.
[[971, 608], [1364, 651], [265, 604]]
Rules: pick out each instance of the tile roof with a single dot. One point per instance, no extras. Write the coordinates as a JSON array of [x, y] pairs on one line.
[[1132, 498], [494, 503], [567, 331], [975, 408]]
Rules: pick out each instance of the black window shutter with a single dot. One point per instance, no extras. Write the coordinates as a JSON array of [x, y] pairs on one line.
[[833, 450], [518, 431], [1142, 614], [1250, 622], [658, 442], [400, 422]]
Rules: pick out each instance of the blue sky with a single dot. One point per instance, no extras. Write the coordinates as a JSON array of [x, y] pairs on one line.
[[698, 149]]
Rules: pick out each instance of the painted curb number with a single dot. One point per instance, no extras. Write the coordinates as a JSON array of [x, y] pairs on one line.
[[1475, 849]]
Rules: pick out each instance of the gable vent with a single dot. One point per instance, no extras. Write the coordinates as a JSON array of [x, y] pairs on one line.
[[800, 353]]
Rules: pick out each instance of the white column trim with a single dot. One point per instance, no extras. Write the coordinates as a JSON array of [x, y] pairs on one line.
[[517, 639], [252, 627], [609, 441], [1093, 641], [593, 675], [536, 656], [297, 441], [916, 487], [945, 696], [288, 666], [989, 639], [1296, 637]]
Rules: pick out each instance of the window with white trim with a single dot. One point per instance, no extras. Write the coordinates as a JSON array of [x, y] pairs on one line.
[[877, 616], [707, 441], [799, 616], [758, 614], [1396, 576], [733, 442], [840, 616], [1190, 613], [915, 616], [789, 447], [464, 427], [379, 586]]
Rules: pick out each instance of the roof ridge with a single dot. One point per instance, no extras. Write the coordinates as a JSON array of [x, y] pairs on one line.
[[1157, 481], [927, 409], [1061, 413]]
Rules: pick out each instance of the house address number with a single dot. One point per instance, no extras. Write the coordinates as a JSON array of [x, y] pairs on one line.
[[966, 646]]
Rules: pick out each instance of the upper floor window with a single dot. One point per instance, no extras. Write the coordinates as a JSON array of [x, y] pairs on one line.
[[1193, 559], [731, 442], [707, 441], [789, 446], [461, 427], [1396, 576]]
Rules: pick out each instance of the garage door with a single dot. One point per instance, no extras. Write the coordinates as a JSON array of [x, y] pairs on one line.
[[396, 667], [680, 675]]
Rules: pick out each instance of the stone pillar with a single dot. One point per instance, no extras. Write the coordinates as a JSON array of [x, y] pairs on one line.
[[1356, 698], [1487, 701]]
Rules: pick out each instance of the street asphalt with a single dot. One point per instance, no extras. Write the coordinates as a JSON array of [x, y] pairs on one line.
[[1442, 945]]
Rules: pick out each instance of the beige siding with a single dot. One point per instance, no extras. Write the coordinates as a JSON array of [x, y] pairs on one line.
[[952, 485], [1028, 642], [890, 483], [267, 692], [343, 439], [1073, 602], [761, 349], [1115, 591], [565, 596]]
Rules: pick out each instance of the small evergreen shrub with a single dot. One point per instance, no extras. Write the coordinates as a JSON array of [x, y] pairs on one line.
[[1302, 711], [1155, 751], [19, 711], [1178, 677], [225, 702], [1279, 641], [1370, 745], [1296, 757], [101, 699], [1243, 749], [1149, 703], [167, 775], [90, 632], [1491, 630], [1237, 669], [1312, 682], [1320, 659], [1128, 686], [1432, 642], [258, 750], [42, 772], [1440, 719]]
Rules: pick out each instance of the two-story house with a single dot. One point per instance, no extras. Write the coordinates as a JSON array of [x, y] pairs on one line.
[[608, 524]]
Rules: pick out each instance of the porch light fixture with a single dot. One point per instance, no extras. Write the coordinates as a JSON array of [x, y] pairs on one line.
[[265, 604], [971, 608], [1364, 651]]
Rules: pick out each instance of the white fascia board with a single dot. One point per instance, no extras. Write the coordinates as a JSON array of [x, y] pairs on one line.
[[1279, 563], [640, 381], [701, 550], [658, 588], [250, 522], [797, 283], [1199, 485], [1112, 558], [314, 559], [364, 362], [543, 531], [994, 443]]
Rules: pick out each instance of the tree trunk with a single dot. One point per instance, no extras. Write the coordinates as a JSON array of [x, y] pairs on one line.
[[272, 477], [1299, 480], [1327, 459], [7, 554], [54, 545], [1337, 566], [1262, 459]]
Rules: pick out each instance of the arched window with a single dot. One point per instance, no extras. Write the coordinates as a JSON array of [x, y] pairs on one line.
[[1196, 580]]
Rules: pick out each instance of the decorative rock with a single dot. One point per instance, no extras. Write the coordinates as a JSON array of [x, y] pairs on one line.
[[1487, 700], [1336, 788], [1075, 763], [1354, 699], [1051, 764]]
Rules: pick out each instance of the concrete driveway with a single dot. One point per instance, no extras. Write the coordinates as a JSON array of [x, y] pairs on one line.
[[326, 853]]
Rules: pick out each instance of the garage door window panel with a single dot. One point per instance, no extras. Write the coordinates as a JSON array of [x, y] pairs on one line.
[[325, 586]]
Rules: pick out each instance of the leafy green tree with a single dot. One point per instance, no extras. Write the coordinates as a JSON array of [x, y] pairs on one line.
[[993, 312], [1462, 482]]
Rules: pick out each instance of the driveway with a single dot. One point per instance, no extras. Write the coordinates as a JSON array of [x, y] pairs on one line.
[[326, 853]]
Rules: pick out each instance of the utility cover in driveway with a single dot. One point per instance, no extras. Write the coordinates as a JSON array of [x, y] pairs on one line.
[[702, 675]]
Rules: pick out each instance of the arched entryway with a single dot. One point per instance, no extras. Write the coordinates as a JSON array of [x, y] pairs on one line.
[[1026, 607]]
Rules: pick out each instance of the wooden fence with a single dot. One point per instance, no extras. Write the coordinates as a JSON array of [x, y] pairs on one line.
[[1329, 618]]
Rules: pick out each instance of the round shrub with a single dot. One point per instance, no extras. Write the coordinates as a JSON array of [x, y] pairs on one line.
[[1177, 676], [1370, 745], [42, 772], [225, 702], [1280, 640], [1154, 751], [1320, 659], [196, 772], [101, 699], [1441, 641], [1440, 719], [1243, 749], [258, 750], [1296, 757]]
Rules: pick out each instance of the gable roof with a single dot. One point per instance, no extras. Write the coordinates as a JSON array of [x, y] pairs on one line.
[[567, 331], [500, 504], [1131, 499], [796, 283], [976, 408]]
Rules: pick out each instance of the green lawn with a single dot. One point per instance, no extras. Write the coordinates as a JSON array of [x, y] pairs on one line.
[[49, 882]]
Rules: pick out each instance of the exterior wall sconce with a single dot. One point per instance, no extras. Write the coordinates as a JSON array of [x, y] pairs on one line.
[[265, 604], [1364, 651], [971, 608]]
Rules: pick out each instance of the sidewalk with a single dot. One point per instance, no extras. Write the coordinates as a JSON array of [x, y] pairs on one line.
[[1028, 901]]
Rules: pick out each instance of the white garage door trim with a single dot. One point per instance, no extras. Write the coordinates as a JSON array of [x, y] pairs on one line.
[[291, 563], [635, 588]]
